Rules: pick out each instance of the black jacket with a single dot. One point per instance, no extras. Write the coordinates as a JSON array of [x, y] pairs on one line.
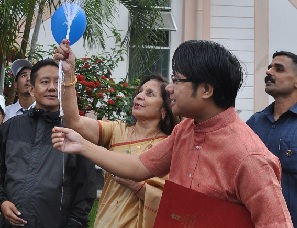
[[50, 189]]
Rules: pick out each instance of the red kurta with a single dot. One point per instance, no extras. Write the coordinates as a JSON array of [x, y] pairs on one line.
[[223, 157]]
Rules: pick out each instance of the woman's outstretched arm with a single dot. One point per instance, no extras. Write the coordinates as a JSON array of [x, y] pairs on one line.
[[122, 165]]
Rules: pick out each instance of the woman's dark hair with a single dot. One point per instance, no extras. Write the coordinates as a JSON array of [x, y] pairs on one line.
[[169, 121], [38, 65], [204, 61], [2, 112]]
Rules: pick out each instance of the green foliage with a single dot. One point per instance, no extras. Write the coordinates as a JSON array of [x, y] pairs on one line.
[[40, 53], [100, 15], [9, 23], [92, 214]]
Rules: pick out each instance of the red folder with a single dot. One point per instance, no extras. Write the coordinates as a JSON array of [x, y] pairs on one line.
[[184, 207]]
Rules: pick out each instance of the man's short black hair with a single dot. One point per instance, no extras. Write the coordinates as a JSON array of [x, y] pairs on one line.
[[204, 61], [288, 54]]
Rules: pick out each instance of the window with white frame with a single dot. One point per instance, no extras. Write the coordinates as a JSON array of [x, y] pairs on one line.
[[158, 44]]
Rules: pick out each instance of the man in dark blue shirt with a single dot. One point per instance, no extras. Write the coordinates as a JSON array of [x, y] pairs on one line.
[[276, 125]]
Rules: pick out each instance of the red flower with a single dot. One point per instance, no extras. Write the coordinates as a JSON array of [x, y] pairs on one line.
[[81, 113], [98, 61], [111, 102], [91, 84], [125, 85], [111, 90], [89, 91], [80, 77], [103, 77], [86, 65], [98, 84], [84, 83], [85, 59], [100, 95]]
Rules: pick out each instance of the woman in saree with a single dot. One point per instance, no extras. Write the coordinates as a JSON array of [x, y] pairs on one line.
[[123, 203]]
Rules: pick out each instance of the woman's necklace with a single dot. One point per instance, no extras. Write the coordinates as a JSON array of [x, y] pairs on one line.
[[150, 144], [147, 147]]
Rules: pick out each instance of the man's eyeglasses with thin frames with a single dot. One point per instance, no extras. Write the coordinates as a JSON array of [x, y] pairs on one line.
[[176, 80]]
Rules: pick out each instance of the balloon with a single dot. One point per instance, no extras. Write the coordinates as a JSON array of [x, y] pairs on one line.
[[59, 24]]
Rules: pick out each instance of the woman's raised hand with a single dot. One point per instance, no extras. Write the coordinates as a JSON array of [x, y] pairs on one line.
[[64, 53]]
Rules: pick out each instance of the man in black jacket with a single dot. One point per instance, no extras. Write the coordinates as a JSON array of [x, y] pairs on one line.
[[39, 186]]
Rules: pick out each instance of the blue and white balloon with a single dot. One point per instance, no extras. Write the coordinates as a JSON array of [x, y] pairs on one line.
[[59, 24]]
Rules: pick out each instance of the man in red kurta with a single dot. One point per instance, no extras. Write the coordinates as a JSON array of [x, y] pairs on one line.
[[222, 157]]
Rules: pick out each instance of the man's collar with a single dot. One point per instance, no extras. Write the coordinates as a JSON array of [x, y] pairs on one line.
[[48, 116]]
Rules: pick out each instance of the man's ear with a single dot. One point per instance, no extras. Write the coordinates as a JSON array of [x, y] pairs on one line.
[[208, 90], [31, 89], [15, 85]]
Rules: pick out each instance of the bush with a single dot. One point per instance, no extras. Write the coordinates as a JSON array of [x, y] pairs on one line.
[[97, 91]]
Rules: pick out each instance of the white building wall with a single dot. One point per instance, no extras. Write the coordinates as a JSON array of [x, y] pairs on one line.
[[176, 36], [282, 26], [232, 24]]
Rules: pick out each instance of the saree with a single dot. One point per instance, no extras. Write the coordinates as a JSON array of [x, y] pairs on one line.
[[118, 205]]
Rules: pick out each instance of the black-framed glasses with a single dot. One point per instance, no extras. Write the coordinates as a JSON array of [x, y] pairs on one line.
[[176, 80]]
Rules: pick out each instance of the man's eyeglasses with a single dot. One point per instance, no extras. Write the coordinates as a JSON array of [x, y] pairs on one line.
[[176, 80]]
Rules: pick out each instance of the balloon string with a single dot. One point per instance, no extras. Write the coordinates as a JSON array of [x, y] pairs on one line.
[[60, 81], [63, 175]]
